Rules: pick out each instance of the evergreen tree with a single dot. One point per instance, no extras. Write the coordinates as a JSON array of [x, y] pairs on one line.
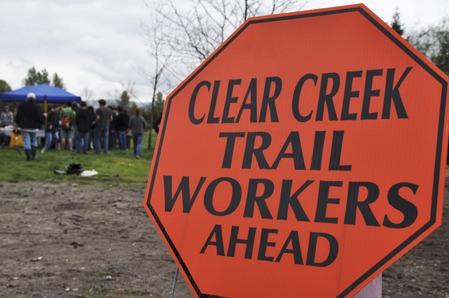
[[396, 23], [152, 112], [132, 107], [35, 77], [4, 86], [124, 100], [57, 81], [158, 106], [433, 42], [441, 56]]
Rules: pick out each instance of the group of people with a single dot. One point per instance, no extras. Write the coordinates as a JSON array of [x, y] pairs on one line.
[[79, 127]]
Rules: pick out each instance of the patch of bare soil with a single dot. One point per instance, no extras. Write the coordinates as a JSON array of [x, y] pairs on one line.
[[423, 271], [70, 240]]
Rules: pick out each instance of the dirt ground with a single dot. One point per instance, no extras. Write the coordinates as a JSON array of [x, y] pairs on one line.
[[70, 240]]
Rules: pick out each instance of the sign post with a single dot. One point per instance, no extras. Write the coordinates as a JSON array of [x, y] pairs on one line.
[[304, 156]]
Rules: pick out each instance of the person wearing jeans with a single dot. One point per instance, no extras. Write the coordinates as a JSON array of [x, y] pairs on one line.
[[122, 126], [51, 131], [83, 120], [29, 138], [103, 116], [137, 124], [137, 141], [29, 119], [101, 133]]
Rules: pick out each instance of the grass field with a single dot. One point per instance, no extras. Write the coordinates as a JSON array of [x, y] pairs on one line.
[[118, 168]]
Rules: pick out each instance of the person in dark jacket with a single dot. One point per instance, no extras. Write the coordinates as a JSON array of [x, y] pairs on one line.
[[92, 129], [113, 128], [103, 116], [122, 126], [137, 124], [157, 125], [83, 119], [51, 130], [29, 119]]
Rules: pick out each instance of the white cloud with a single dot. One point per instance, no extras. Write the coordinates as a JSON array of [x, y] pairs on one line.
[[98, 45], [90, 44], [414, 13]]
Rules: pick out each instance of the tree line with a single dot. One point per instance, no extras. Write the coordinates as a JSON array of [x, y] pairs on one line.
[[432, 41]]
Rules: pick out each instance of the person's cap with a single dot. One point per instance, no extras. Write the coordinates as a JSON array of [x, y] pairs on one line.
[[31, 95]]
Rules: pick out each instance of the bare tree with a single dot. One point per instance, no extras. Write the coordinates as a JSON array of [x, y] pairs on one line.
[[179, 38], [162, 54], [433, 42], [196, 28], [130, 88], [87, 94]]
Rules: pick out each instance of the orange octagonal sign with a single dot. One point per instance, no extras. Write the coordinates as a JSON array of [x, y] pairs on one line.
[[302, 158]]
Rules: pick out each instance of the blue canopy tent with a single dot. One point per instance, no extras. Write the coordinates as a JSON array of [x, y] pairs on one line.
[[43, 92]]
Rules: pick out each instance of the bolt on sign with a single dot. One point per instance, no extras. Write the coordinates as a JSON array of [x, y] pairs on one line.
[[302, 158]]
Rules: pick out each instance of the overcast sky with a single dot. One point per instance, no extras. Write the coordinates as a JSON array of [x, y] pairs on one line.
[[98, 44]]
